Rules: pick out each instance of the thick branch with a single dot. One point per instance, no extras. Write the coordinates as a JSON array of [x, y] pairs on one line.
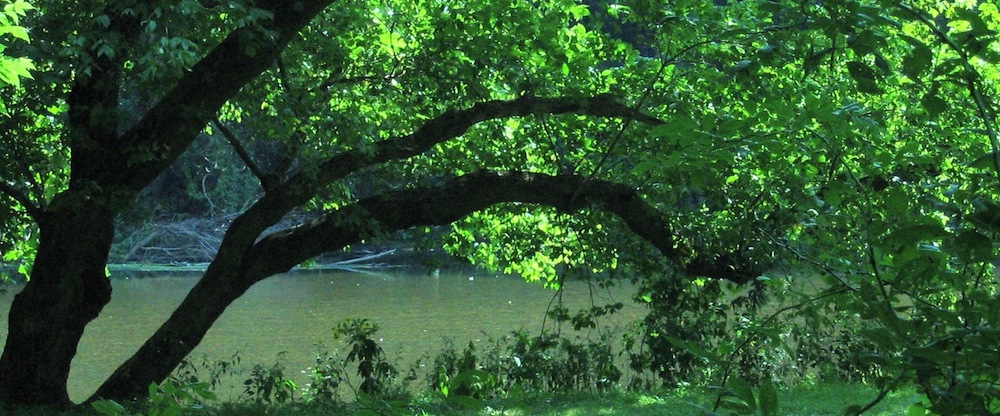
[[452, 201], [300, 188], [232, 273], [455, 123], [181, 114], [93, 98]]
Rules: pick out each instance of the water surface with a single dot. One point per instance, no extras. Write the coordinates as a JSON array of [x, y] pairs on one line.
[[290, 314]]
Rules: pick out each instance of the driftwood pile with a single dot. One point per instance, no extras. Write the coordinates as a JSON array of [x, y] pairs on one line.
[[194, 241]]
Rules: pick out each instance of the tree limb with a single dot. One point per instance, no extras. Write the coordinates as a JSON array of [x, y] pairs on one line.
[[34, 211], [241, 261], [455, 123], [301, 187], [173, 123], [93, 107], [265, 180], [460, 197]]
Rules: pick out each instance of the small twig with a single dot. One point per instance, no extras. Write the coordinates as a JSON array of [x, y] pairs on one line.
[[265, 180], [363, 259], [881, 395], [204, 192], [129, 256]]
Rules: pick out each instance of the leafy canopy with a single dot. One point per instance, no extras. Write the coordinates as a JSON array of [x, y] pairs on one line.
[[852, 143]]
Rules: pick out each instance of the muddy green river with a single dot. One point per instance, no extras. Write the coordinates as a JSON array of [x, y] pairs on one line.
[[290, 314]]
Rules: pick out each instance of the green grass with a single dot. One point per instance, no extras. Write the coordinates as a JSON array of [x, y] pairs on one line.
[[826, 399], [821, 399]]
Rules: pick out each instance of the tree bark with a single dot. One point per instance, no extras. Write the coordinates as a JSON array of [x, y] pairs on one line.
[[67, 290]]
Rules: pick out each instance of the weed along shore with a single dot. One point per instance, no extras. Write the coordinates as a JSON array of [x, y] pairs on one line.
[[296, 344], [291, 319]]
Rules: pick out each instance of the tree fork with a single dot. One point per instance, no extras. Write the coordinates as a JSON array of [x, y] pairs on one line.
[[68, 287]]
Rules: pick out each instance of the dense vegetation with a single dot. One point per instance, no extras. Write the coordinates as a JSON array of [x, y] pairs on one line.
[[839, 159]]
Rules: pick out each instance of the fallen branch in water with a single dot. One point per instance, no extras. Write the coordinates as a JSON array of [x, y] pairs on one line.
[[362, 259]]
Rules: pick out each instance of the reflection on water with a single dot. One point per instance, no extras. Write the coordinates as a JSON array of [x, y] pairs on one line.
[[291, 313]]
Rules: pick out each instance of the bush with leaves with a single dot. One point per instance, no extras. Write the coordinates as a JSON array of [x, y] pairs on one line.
[[324, 378], [376, 373], [269, 385], [165, 399], [520, 362]]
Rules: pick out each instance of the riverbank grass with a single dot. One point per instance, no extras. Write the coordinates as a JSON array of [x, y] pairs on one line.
[[812, 400]]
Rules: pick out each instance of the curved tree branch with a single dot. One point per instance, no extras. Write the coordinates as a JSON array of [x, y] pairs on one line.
[[460, 197], [455, 123], [242, 260], [301, 187], [33, 210], [227, 280]]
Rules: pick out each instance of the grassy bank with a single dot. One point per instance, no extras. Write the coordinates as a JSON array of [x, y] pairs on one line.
[[823, 399], [813, 400]]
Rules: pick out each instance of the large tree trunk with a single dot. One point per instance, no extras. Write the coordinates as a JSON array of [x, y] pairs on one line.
[[67, 290]]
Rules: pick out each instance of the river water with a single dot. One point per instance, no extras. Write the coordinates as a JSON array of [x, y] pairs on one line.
[[291, 314]]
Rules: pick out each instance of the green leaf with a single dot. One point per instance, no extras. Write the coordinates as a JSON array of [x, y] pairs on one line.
[[109, 408], [911, 235], [579, 11], [918, 60], [933, 104], [15, 31], [768, 399], [987, 213], [916, 409], [693, 348], [973, 247], [865, 77], [13, 69], [979, 26], [104, 20], [105, 50], [644, 167], [742, 390], [984, 161]]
